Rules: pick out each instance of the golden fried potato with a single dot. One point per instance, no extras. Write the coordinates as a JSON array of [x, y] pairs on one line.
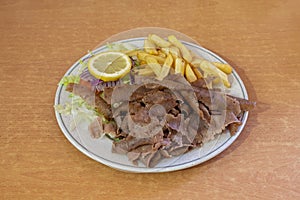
[[145, 72], [154, 65], [142, 56], [166, 67], [150, 47], [209, 69], [197, 72], [226, 68], [159, 41], [174, 51], [179, 66], [184, 51], [189, 73], [196, 62]]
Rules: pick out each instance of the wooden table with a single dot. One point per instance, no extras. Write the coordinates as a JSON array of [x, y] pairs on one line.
[[40, 40]]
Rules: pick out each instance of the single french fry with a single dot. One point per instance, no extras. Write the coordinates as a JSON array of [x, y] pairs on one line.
[[226, 68], [166, 67], [197, 72], [184, 51], [143, 55], [154, 65], [159, 59], [189, 73], [197, 62], [159, 41], [179, 66], [175, 52], [145, 72], [150, 47]]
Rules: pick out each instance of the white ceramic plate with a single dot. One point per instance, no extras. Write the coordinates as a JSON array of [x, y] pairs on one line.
[[100, 149]]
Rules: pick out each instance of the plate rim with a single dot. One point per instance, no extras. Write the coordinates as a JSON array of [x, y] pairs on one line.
[[134, 169]]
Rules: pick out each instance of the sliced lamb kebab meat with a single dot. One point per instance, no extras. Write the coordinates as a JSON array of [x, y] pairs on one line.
[[127, 145], [204, 96], [189, 118], [234, 106], [232, 120], [205, 111], [245, 104], [96, 128], [107, 92], [164, 98], [174, 122], [140, 115], [110, 128]]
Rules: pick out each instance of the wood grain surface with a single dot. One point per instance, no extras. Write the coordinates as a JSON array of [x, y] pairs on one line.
[[40, 40]]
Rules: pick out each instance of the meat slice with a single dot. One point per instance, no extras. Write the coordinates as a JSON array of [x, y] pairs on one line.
[[133, 157], [164, 98], [107, 93], [110, 128], [205, 111], [174, 122], [232, 122], [128, 145], [152, 159], [245, 104], [234, 104], [141, 116], [96, 128]]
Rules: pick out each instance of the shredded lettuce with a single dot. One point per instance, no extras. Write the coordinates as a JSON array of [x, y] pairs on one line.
[[121, 46], [66, 80], [83, 65], [79, 109]]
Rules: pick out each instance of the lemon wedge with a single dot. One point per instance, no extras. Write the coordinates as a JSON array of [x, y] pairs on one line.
[[109, 66]]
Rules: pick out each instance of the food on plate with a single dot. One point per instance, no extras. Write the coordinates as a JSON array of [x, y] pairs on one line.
[[155, 102]]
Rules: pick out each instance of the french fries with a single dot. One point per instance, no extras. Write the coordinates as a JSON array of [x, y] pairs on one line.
[[184, 51], [189, 73], [174, 51], [147, 71], [197, 72], [223, 67], [166, 67], [179, 66], [210, 69], [162, 55], [154, 65], [159, 41], [150, 47], [143, 55], [197, 62]]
